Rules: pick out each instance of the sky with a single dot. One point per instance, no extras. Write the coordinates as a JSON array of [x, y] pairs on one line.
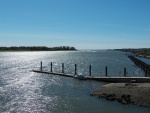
[[84, 24]]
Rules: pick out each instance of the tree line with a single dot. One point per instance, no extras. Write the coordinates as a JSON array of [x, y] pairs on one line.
[[37, 48], [139, 51]]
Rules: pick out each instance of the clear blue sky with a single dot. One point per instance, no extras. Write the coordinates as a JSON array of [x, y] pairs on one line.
[[84, 24]]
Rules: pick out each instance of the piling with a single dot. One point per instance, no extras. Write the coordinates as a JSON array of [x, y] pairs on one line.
[[90, 70], [125, 72], [106, 71], [146, 72], [51, 66], [62, 67], [41, 65], [75, 71]]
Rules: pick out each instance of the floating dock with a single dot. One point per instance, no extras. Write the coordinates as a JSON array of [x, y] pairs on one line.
[[105, 79]]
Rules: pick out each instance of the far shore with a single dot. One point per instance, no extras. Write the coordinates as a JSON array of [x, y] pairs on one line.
[[36, 51], [126, 93], [141, 52], [36, 48]]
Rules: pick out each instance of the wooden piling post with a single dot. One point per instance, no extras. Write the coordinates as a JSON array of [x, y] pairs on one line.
[[146, 72], [41, 65], [125, 72], [62, 67], [90, 70], [106, 71], [75, 72], [51, 66]]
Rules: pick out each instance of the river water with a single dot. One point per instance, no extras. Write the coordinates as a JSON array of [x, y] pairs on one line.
[[23, 91]]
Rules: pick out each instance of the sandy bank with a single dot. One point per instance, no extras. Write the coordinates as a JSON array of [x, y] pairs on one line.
[[126, 93]]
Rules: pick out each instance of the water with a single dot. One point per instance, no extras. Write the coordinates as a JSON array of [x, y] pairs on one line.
[[23, 91]]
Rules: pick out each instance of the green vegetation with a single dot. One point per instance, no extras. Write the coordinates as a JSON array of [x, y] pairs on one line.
[[37, 48], [143, 52]]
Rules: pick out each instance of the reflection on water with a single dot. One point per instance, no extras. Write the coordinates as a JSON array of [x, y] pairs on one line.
[[22, 91]]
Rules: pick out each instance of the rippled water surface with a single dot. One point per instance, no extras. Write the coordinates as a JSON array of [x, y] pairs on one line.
[[23, 91]]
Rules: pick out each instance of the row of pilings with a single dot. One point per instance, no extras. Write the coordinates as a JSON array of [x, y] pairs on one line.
[[144, 66], [75, 69]]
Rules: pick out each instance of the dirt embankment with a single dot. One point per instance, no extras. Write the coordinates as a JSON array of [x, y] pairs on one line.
[[126, 93]]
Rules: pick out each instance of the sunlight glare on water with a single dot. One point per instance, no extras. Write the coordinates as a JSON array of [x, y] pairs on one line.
[[23, 91]]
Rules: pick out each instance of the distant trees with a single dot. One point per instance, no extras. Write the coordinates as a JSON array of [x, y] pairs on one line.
[[141, 51], [37, 48]]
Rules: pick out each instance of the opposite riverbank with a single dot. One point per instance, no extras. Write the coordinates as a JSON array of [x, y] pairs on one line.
[[36, 48], [126, 93], [141, 52]]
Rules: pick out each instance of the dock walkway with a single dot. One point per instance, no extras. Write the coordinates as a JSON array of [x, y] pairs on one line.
[[104, 79]]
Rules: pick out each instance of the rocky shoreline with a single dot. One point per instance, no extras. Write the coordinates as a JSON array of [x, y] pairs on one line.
[[126, 93]]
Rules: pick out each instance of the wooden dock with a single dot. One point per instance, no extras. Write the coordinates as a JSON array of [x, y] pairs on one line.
[[104, 79], [53, 73]]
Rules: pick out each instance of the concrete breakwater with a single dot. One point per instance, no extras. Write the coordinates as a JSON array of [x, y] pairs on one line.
[[144, 66]]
